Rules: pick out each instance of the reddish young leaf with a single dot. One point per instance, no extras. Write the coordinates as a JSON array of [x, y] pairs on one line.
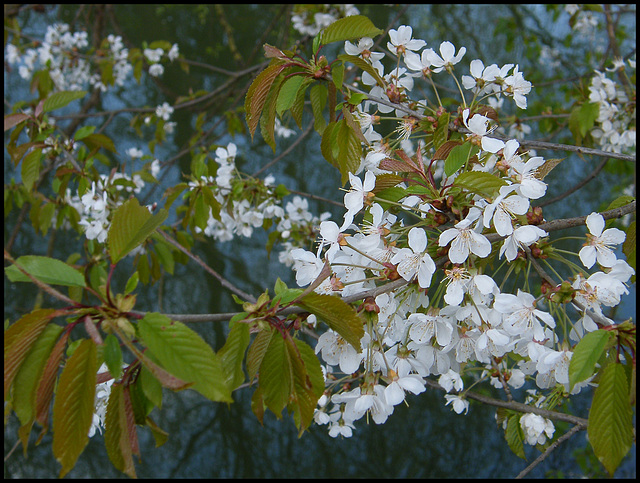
[[18, 340]]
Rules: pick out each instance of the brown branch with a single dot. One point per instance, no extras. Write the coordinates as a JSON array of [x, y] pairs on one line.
[[524, 143], [548, 451], [515, 406], [302, 136], [396, 284], [223, 281]]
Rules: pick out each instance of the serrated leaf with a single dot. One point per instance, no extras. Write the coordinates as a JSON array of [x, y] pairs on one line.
[[257, 94], [610, 427], [232, 354], [588, 114], [27, 379], [479, 182], [112, 355], [19, 339], [337, 74], [183, 353], [458, 157], [47, 381], [74, 405], [58, 100], [276, 376], [14, 119], [629, 245], [268, 118], [586, 354], [116, 437], [349, 148], [132, 224], [288, 93], [318, 95], [327, 143], [349, 28], [441, 133], [303, 399], [445, 149], [514, 436], [298, 104], [151, 387], [257, 351], [83, 132], [363, 65], [31, 168], [546, 168], [45, 269], [338, 315], [96, 141]]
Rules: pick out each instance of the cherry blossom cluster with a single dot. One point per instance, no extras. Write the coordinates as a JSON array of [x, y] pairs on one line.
[[311, 19], [410, 335], [72, 66], [615, 127], [247, 203], [446, 322], [96, 205]]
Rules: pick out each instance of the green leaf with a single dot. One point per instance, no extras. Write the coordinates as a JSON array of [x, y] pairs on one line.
[[318, 95], [363, 65], [297, 108], [338, 315], [586, 354], [232, 354], [328, 145], [117, 434], [83, 132], [151, 387], [31, 168], [74, 405], [349, 28], [479, 182], [350, 150], [132, 224], [257, 351], [302, 399], [61, 99], [183, 353], [458, 157], [45, 269], [112, 355], [96, 141], [441, 133], [337, 74], [288, 93], [610, 427], [629, 245], [275, 376], [587, 116], [514, 436]]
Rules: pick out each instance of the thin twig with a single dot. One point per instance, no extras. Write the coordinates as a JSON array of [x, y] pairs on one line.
[[223, 281], [548, 451], [515, 406], [575, 188], [397, 284]]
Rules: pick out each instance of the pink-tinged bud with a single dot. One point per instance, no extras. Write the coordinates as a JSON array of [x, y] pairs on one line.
[[370, 305]]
